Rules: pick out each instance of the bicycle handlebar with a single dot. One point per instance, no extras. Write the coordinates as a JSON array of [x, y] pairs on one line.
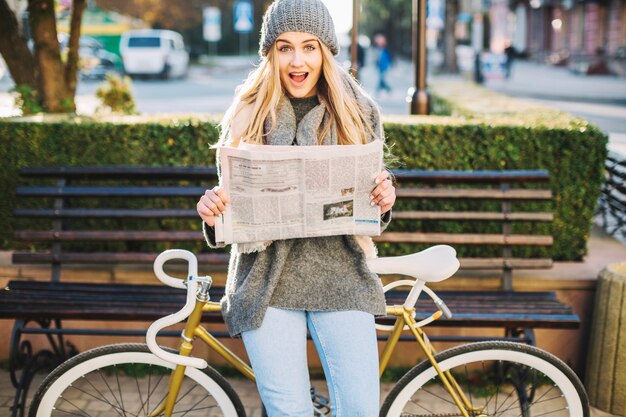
[[191, 285]]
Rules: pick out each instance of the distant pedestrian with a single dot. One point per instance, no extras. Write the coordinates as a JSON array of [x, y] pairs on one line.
[[510, 53], [383, 63]]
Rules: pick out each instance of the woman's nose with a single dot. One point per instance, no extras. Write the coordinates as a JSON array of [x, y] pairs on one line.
[[297, 59]]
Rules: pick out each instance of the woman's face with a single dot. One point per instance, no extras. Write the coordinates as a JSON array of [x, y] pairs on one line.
[[300, 63]]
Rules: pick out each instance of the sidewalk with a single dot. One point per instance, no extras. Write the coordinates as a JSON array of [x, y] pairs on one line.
[[533, 80]]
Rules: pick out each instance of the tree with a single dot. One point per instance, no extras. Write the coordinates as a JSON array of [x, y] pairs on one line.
[[43, 71], [449, 40]]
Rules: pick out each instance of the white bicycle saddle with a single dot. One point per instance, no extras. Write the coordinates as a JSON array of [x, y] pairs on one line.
[[434, 264]]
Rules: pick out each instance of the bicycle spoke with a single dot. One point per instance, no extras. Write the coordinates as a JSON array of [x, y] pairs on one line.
[[119, 389], [504, 402], [550, 412], [152, 392], [140, 396], [82, 412], [102, 399], [70, 413], [193, 407], [110, 390], [439, 396]]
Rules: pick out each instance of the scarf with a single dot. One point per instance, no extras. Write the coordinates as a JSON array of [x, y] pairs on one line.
[[305, 133]]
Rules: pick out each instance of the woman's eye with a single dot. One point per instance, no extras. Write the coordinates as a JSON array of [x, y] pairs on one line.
[[284, 49], [309, 48]]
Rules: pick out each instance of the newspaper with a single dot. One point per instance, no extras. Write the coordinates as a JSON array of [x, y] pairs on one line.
[[285, 192]]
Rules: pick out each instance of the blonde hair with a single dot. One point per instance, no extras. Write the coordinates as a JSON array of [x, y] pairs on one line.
[[262, 90]]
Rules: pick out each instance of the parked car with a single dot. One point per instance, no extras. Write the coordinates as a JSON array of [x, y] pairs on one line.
[[154, 52], [95, 62]]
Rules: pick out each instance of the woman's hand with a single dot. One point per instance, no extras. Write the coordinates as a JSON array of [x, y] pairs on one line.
[[384, 194], [211, 204]]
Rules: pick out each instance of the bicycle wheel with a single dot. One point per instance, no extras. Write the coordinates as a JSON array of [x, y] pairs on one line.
[[500, 379], [128, 380]]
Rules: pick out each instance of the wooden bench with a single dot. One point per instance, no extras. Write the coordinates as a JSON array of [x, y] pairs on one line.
[[121, 215]]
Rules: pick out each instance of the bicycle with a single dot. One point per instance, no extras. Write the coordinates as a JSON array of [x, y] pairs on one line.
[[473, 380]]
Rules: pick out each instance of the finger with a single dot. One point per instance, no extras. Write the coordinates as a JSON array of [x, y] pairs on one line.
[[215, 199], [381, 177], [210, 205], [221, 193], [385, 197], [205, 214], [202, 209], [385, 185], [388, 196]]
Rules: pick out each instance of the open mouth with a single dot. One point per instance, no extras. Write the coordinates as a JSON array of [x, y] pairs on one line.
[[298, 77]]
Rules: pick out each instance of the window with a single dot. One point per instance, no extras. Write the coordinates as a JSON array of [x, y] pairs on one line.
[[144, 42]]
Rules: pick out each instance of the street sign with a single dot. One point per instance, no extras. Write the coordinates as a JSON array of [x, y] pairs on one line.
[[243, 17], [212, 24], [435, 14]]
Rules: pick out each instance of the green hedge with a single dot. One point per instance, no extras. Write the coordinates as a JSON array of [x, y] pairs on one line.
[[517, 137]]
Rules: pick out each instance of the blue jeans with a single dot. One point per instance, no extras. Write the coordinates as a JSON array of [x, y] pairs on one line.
[[346, 344]]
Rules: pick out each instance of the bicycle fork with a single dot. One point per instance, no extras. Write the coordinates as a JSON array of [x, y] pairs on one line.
[[404, 316], [185, 348]]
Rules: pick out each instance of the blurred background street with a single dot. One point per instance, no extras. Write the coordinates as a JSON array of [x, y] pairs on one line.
[[209, 89]]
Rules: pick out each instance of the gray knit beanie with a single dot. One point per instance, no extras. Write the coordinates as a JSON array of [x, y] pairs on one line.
[[310, 16]]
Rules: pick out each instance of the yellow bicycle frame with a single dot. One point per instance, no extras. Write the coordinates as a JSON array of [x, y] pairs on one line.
[[404, 317]]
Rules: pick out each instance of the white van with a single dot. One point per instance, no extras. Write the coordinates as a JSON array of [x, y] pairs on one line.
[[154, 52]]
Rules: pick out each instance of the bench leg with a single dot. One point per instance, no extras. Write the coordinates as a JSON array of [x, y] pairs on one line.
[[24, 365], [523, 335]]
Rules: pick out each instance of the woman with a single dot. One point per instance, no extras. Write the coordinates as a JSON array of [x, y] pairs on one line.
[[277, 290]]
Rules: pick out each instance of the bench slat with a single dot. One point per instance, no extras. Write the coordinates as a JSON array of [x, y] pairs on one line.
[[109, 191], [510, 263], [484, 176], [121, 172], [473, 215], [106, 213], [464, 238], [135, 235], [128, 302], [474, 194], [222, 259], [107, 257]]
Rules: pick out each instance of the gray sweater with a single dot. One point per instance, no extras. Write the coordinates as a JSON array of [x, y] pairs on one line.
[[321, 274]]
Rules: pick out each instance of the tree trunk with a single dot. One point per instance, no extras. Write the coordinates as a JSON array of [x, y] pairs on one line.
[[55, 95], [449, 39], [71, 67], [14, 49]]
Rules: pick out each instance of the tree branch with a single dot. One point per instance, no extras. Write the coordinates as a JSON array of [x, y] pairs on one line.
[[71, 67]]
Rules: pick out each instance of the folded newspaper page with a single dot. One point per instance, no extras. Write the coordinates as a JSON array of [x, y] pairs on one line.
[[285, 192]]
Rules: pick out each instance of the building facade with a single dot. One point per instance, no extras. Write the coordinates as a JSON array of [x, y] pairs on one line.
[[570, 32]]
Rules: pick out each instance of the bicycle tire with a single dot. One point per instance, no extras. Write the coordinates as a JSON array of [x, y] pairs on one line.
[[420, 392], [127, 379]]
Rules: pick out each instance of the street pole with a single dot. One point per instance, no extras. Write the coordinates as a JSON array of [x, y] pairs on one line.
[[354, 48], [418, 96]]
